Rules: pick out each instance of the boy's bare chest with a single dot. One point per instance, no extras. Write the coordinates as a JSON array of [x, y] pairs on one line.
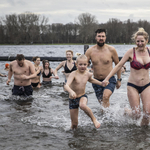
[[81, 80]]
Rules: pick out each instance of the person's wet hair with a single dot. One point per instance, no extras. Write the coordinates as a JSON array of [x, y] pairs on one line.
[[100, 30], [44, 62], [20, 57], [35, 58]]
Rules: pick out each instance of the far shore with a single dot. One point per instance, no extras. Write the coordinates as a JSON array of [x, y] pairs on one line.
[[73, 44]]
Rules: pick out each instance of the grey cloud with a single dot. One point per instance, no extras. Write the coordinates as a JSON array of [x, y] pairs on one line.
[[66, 11], [11, 2], [17, 2]]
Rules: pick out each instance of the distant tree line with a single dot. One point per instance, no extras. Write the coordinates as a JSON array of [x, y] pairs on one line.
[[30, 28]]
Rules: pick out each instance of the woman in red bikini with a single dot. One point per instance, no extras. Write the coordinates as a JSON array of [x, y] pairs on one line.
[[138, 85]]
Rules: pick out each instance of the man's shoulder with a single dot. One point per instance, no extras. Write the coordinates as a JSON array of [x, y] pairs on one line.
[[13, 62], [91, 49], [110, 47], [27, 61]]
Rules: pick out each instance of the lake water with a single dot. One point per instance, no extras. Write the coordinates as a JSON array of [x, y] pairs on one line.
[[45, 124]]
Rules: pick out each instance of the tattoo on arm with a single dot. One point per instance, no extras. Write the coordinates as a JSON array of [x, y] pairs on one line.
[[10, 67]]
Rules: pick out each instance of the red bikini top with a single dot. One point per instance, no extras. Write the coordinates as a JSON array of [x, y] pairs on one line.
[[136, 65]]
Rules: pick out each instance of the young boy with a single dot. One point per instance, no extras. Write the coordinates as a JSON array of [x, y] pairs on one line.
[[75, 85]]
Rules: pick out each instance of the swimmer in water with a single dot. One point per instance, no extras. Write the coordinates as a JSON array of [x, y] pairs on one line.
[[75, 85], [68, 65], [6, 67], [35, 82], [47, 73], [23, 71]]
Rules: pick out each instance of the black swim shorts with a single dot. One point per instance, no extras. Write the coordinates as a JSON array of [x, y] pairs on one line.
[[22, 90], [74, 103]]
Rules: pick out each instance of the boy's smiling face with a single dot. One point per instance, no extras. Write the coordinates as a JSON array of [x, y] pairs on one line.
[[82, 64]]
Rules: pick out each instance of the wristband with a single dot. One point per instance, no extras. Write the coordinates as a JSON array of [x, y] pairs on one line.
[[119, 79]]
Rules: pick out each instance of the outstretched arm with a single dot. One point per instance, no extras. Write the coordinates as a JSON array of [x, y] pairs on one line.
[[117, 67], [57, 68], [116, 61], [2, 75], [52, 71], [92, 80]]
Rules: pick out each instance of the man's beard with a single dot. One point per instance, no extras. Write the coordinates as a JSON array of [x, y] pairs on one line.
[[100, 44]]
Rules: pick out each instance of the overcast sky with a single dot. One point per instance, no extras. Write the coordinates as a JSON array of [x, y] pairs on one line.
[[66, 11]]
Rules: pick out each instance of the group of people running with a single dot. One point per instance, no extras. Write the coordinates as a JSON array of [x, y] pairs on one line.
[[27, 73], [48, 73], [102, 56]]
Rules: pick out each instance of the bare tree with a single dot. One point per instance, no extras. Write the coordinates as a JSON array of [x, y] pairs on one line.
[[114, 30], [88, 24], [2, 32], [12, 28], [145, 24]]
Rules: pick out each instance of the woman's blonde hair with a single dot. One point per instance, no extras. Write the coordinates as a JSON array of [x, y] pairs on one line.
[[82, 56], [141, 32]]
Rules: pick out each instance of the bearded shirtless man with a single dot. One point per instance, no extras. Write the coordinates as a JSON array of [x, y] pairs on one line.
[[102, 56]]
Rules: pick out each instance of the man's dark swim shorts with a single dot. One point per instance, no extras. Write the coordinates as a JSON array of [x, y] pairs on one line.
[[100, 89], [74, 103], [22, 90]]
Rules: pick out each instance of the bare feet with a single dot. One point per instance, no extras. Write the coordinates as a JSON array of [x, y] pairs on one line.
[[96, 124], [128, 112]]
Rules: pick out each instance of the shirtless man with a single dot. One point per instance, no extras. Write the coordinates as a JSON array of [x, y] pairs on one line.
[[102, 57], [23, 70], [75, 85]]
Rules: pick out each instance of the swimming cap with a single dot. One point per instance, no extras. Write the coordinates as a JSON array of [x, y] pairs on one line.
[[6, 65]]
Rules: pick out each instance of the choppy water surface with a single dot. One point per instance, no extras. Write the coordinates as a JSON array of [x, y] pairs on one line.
[[45, 123]]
